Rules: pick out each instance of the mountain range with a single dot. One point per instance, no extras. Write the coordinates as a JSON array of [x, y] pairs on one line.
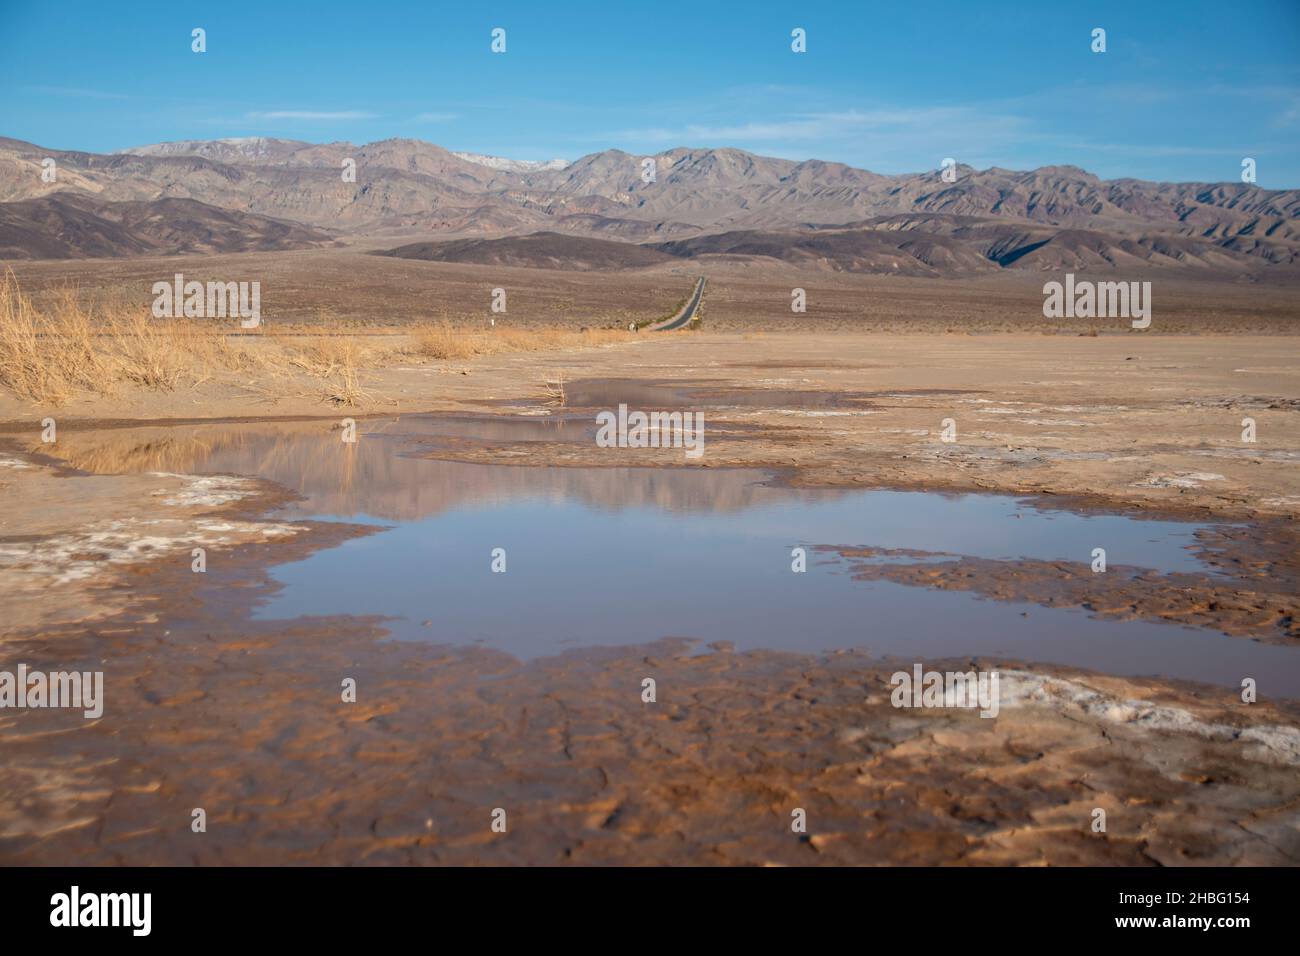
[[721, 204]]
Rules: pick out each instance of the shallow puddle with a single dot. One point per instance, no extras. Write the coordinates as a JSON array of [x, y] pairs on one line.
[[611, 556]]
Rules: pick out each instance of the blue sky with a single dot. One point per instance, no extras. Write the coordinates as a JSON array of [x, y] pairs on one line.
[[1184, 91]]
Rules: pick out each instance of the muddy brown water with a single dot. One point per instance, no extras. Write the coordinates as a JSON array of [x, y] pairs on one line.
[[620, 556]]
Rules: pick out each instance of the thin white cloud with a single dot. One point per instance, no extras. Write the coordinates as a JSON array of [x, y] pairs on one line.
[[311, 115], [1151, 149], [953, 122]]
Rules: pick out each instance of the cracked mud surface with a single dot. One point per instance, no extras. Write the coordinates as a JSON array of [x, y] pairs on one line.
[[249, 726]]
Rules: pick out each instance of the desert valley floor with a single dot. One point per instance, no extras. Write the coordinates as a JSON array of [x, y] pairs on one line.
[[523, 691]]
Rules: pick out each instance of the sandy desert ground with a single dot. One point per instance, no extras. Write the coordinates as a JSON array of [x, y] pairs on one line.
[[345, 285]]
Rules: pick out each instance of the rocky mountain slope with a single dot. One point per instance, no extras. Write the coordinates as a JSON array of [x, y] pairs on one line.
[[69, 225], [707, 201]]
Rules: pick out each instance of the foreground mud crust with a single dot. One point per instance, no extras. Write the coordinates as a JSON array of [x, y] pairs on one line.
[[250, 728]]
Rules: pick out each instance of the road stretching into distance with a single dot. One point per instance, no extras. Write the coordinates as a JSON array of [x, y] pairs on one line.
[[684, 317]]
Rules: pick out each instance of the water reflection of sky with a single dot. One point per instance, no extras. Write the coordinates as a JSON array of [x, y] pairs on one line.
[[593, 571]]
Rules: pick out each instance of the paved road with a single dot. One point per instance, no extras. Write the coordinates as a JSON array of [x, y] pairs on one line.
[[684, 317]]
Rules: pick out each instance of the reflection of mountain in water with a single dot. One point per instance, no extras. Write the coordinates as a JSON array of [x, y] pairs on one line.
[[375, 477]]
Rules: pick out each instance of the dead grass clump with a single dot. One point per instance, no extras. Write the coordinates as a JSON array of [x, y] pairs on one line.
[[335, 360], [146, 352], [442, 341], [446, 342], [555, 393], [50, 355], [44, 357]]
